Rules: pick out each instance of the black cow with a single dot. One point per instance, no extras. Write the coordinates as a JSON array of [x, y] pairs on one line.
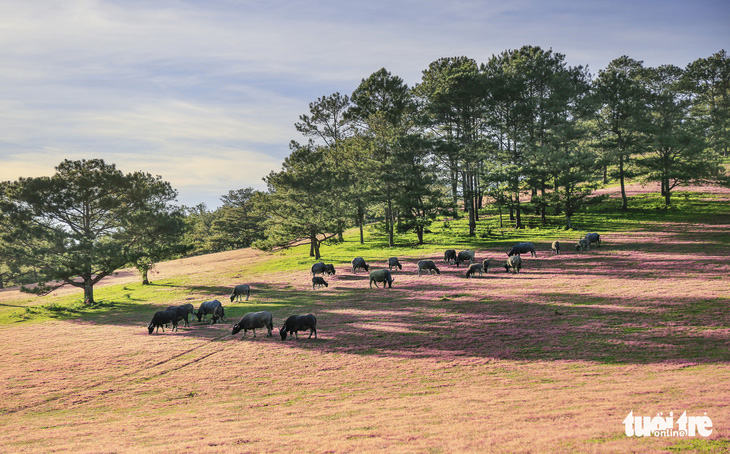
[[318, 268], [182, 312], [359, 262], [464, 256], [522, 248], [383, 276], [393, 262], [450, 256], [297, 323], [215, 308], [162, 318], [318, 281]]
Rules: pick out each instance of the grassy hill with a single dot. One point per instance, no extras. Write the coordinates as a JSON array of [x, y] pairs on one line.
[[550, 360]]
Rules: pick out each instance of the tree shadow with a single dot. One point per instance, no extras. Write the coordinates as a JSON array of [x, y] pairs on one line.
[[557, 326]]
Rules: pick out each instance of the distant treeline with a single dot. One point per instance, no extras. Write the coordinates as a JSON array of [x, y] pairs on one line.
[[471, 134]]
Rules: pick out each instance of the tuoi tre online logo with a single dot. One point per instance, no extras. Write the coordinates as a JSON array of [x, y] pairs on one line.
[[665, 426]]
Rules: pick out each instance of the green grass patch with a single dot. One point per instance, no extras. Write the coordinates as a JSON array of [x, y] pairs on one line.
[[698, 445], [607, 438]]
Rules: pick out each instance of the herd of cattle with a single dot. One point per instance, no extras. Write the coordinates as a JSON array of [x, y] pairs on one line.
[[295, 323], [250, 321], [512, 264]]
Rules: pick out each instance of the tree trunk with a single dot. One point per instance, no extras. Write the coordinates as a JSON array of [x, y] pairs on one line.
[[144, 271], [313, 245], [568, 210], [477, 194], [468, 187], [667, 196], [361, 220], [88, 292], [419, 232], [518, 214], [454, 176], [389, 216], [624, 199], [542, 202]]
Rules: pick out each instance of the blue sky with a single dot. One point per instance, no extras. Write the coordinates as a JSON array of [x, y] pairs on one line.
[[206, 93]]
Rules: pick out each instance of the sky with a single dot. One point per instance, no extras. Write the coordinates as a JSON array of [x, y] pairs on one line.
[[205, 93]]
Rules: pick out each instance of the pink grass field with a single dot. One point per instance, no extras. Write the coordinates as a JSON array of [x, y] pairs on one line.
[[549, 360]]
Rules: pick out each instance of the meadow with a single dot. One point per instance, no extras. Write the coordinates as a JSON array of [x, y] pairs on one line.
[[552, 359]]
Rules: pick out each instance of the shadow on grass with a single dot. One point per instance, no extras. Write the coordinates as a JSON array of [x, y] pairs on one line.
[[220, 290], [401, 323], [530, 331]]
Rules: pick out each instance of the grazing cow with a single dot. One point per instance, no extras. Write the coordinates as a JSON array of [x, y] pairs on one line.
[[253, 320], [383, 276], [479, 268], [182, 312], [393, 262], [593, 238], [239, 291], [359, 262], [318, 268], [522, 248], [297, 323], [474, 268], [584, 244], [555, 247], [449, 256], [161, 318], [515, 263], [215, 308], [464, 256], [329, 269], [318, 281], [427, 265]]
